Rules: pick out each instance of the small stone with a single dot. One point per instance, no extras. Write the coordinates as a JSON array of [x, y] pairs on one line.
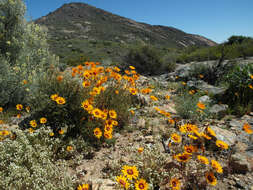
[[138, 139], [117, 135], [104, 184], [141, 123], [231, 182], [205, 99], [149, 139]]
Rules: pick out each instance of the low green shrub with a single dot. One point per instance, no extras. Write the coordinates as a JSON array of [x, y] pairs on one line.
[[76, 59], [210, 72], [187, 104]]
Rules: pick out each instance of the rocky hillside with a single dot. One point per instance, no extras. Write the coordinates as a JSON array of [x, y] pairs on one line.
[[149, 144], [79, 28]]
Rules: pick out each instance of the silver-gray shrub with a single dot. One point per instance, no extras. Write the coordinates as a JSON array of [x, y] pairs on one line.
[[28, 163]]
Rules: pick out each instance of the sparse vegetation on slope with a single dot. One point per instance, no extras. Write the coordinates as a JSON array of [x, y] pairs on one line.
[[99, 35], [234, 47]]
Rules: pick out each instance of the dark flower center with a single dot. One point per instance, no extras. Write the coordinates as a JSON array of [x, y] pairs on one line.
[[189, 150], [174, 183], [122, 182], [130, 172], [210, 178], [141, 186], [183, 157]]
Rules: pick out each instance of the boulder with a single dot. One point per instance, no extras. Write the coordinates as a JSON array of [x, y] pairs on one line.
[[224, 135], [235, 124], [182, 71], [219, 110], [249, 150], [214, 90], [205, 99], [240, 163], [210, 89]]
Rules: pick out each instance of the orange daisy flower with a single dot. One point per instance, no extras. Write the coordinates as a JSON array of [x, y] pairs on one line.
[[247, 128]]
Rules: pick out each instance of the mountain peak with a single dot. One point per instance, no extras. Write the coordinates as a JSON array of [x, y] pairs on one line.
[[84, 23]]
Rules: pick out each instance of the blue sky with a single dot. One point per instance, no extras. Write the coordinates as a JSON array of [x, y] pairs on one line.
[[214, 19]]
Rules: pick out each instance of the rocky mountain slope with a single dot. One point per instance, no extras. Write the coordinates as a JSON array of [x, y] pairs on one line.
[[147, 140], [152, 127], [81, 28]]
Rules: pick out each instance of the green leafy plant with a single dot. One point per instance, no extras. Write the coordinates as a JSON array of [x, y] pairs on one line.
[[186, 104], [239, 93]]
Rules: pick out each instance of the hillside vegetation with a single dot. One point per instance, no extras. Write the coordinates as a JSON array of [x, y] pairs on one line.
[[78, 31], [234, 47]]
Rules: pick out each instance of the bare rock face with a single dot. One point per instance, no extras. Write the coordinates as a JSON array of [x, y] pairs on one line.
[[241, 161], [210, 43]]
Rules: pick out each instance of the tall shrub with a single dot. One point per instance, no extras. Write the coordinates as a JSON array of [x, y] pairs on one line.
[[147, 60], [240, 88], [23, 50]]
